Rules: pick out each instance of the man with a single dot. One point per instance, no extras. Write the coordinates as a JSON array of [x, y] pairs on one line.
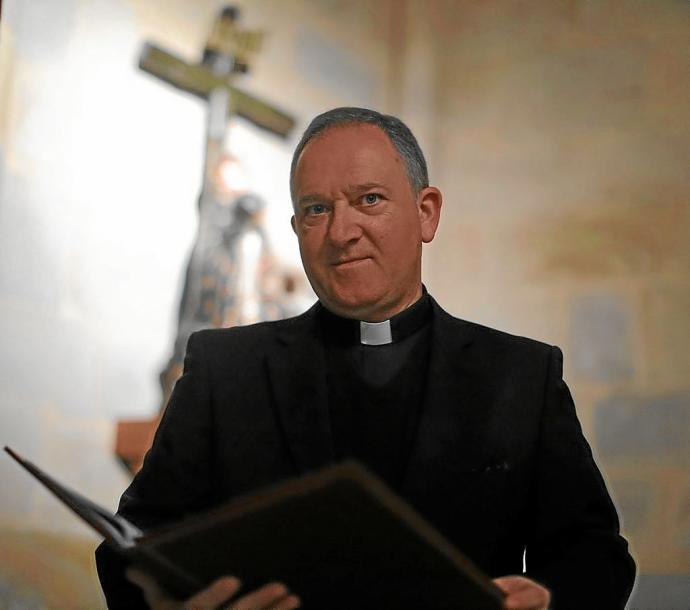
[[474, 427]]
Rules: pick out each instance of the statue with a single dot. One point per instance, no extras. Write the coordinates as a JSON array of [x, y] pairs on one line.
[[226, 278]]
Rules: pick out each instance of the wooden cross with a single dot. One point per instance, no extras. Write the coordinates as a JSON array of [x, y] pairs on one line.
[[227, 53]]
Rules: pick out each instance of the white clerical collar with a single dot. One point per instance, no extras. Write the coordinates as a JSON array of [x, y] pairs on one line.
[[375, 333], [349, 331]]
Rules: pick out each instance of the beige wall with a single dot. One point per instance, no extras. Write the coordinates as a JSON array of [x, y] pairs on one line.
[[557, 130]]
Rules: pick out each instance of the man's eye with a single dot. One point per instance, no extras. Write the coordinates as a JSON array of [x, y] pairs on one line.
[[371, 198], [317, 208]]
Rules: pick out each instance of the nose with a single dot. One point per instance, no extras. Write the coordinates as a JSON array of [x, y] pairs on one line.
[[343, 227]]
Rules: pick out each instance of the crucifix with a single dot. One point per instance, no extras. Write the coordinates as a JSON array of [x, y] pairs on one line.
[[227, 212]]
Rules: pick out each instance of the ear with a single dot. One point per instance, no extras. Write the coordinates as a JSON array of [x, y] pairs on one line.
[[429, 202], [292, 224]]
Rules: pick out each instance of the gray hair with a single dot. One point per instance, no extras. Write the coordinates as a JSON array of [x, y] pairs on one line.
[[399, 134]]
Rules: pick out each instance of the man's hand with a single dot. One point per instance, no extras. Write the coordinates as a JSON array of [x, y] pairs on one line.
[[523, 593], [273, 595]]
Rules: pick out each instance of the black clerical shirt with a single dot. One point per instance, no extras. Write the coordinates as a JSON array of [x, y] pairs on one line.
[[375, 388]]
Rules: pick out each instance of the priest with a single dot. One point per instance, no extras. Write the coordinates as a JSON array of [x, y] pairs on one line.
[[472, 426]]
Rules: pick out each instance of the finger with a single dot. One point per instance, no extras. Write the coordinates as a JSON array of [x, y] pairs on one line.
[[523, 593], [215, 594], [529, 598], [265, 597], [526, 601], [509, 584], [291, 602]]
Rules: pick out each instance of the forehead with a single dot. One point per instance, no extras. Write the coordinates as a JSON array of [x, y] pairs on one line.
[[348, 154]]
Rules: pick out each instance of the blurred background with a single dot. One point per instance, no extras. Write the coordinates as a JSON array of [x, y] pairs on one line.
[[558, 131]]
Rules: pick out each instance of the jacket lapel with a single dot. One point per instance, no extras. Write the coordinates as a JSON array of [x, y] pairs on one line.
[[296, 371], [450, 426], [450, 429]]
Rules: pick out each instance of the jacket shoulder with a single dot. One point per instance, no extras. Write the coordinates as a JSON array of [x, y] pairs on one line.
[[252, 335], [492, 339]]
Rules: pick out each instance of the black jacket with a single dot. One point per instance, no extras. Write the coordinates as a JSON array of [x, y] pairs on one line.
[[498, 465]]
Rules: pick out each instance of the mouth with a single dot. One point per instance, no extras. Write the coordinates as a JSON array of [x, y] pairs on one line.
[[349, 262]]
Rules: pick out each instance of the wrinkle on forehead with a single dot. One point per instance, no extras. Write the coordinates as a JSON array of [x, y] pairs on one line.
[[364, 156]]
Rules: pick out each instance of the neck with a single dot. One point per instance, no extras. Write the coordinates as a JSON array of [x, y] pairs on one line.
[[378, 312]]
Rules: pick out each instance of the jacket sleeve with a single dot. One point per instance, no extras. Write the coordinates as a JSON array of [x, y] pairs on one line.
[[176, 476], [574, 545]]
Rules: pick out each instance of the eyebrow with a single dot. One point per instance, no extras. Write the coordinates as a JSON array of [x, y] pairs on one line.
[[309, 199], [350, 190], [355, 189]]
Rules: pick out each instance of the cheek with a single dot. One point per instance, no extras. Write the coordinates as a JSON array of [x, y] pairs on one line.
[[402, 247], [309, 246]]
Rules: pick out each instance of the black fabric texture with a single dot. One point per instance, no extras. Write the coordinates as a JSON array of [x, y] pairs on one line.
[[497, 461]]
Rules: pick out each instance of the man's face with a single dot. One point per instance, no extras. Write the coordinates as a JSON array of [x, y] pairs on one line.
[[359, 225]]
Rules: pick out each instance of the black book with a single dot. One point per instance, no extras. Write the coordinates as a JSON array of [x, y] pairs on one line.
[[339, 538]]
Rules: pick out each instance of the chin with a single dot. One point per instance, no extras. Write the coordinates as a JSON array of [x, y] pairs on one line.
[[361, 306]]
